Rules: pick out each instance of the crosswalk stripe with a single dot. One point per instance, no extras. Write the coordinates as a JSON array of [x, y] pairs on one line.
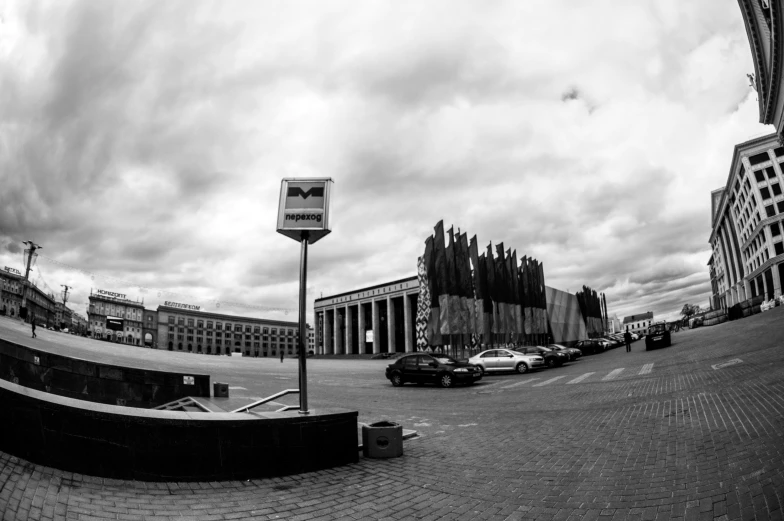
[[580, 378], [519, 383], [613, 374], [647, 368], [551, 380]]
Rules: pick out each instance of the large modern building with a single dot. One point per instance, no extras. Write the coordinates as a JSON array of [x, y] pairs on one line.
[[113, 317], [638, 323], [764, 21], [382, 319], [183, 327], [747, 257], [376, 319]]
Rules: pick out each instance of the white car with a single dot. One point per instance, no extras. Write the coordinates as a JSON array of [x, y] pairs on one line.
[[506, 360]]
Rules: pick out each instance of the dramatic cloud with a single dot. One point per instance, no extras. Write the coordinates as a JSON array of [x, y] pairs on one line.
[[143, 143]]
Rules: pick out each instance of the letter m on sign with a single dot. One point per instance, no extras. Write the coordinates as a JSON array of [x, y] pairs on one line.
[[296, 191]]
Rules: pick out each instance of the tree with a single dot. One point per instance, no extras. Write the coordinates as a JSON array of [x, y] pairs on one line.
[[689, 310]]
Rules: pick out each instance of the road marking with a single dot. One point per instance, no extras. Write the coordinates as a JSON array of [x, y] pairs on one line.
[[551, 380], [647, 368], [519, 383], [727, 363], [613, 374], [580, 378]]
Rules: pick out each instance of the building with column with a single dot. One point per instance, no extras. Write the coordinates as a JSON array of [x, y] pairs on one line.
[[764, 20], [372, 320], [747, 257], [184, 327], [113, 317]]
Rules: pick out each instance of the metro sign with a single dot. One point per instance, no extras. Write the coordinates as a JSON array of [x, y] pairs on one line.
[[304, 207]]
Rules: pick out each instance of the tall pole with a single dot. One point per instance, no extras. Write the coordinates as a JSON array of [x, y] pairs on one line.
[[303, 279], [65, 293], [33, 246]]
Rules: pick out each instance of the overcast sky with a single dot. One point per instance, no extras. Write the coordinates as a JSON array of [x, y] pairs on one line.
[[143, 143]]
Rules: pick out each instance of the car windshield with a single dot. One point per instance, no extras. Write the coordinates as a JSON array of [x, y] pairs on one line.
[[657, 328], [444, 359]]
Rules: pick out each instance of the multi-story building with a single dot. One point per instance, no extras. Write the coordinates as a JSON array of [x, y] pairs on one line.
[[78, 323], [113, 317], [311, 339], [764, 21], [746, 238], [11, 287], [63, 315], [150, 329], [638, 323], [186, 328]]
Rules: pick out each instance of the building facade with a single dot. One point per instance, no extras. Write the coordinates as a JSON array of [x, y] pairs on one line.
[[638, 323], [189, 329], [78, 323], [113, 317], [747, 257], [150, 329], [11, 287], [63, 316], [764, 20], [377, 319]]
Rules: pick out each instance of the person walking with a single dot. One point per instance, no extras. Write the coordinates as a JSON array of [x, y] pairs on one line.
[[281, 356], [32, 324], [627, 337]]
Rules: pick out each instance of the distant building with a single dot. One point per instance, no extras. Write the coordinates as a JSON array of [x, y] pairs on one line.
[[11, 285], [78, 323], [113, 317], [150, 329], [614, 325], [311, 339], [764, 20], [747, 257], [638, 323], [63, 316], [186, 328]]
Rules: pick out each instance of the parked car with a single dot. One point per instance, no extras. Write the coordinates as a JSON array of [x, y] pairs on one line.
[[506, 360], [658, 336], [421, 368], [590, 347], [611, 342], [551, 357], [572, 352]]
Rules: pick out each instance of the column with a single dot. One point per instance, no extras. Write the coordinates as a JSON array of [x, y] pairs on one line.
[[316, 319], [407, 323], [349, 332], [328, 347], [391, 324], [376, 328], [338, 338], [361, 320]]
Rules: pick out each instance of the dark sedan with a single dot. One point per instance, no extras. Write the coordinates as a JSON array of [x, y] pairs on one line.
[[552, 358], [423, 368], [591, 347], [572, 352]]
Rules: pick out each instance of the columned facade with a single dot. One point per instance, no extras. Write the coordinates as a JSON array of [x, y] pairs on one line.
[[373, 320], [748, 225]]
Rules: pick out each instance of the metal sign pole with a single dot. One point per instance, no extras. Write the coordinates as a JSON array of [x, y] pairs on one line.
[[303, 279]]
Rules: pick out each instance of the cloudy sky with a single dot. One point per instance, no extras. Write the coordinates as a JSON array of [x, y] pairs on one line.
[[142, 144]]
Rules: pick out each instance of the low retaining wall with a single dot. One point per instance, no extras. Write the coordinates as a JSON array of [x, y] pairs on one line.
[[124, 443], [96, 382]]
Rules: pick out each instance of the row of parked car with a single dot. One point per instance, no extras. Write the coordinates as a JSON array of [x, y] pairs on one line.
[[443, 370]]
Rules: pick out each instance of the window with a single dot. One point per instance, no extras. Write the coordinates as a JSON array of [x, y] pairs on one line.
[[228, 327], [779, 247], [218, 326], [238, 328], [227, 334], [181, 321], [266, 330], [257, 330], [770, 172], [209, 324], [759, 158], [776, 188], [765, 193], [247, 329], [775, 229], [200, 324], [190, 322], [274, 331], [770, 210]]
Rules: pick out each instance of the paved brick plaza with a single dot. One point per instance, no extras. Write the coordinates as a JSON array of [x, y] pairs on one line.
[[659, 435]]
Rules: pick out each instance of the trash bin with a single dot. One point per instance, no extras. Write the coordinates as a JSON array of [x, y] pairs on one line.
[[220, 390], [382, 440]]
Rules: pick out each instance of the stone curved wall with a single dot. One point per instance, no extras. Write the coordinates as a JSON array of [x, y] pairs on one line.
[[127, 443], [96, 382]]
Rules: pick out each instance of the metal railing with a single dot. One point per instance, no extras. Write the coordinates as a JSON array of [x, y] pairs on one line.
[[248, 407]]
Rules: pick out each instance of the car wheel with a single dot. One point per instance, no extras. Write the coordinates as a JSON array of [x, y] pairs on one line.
[[445, 380], [551, 363], [521, 368], [397, 379]]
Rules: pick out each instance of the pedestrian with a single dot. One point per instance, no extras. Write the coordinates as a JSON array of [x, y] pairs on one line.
[[281, 356], [32, 323], [627, 337]]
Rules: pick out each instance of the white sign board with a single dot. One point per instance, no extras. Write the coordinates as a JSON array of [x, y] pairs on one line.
[[369, 336], [304, 207]]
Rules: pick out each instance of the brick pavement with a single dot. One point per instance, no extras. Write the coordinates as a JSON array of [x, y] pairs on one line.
[[680, 440]]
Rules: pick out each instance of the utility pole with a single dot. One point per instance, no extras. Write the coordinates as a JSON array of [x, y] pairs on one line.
[[65, 293], [33, 246]]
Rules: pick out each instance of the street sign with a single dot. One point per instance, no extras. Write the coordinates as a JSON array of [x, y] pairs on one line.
[[304, 207]]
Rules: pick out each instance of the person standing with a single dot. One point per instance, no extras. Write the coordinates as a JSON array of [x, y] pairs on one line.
[[627, 337], [32, 324], [281, 356]]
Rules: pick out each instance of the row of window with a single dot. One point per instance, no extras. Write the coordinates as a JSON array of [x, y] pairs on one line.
[[208, 350], [180, 321]]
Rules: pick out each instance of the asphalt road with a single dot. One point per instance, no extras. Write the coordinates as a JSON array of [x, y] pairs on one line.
[[673, 433]]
